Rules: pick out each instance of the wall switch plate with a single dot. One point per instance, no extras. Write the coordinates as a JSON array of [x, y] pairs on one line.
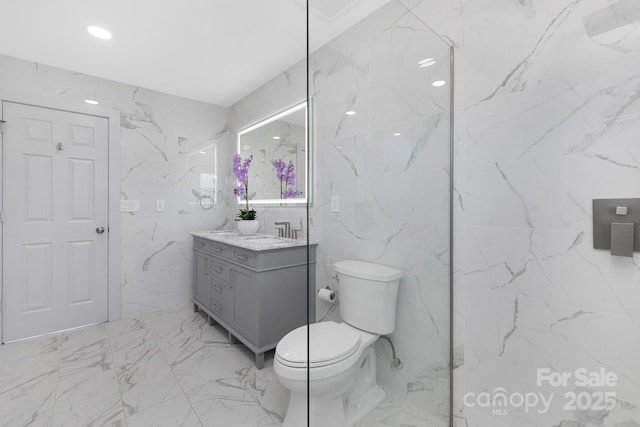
[[335, 204], [160, 206], [128, 205]]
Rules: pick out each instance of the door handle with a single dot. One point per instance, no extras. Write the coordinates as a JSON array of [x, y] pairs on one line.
[[100, 230]]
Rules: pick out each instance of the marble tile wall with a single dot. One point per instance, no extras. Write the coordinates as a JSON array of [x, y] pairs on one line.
[[546, 117], [283, 91], [393, 189], [546, 121], [167, 143]]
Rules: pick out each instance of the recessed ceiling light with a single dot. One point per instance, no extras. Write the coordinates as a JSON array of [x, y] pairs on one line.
[[91, 101], [276, 137], [202, 152], [426, 62], [439, 83], [99, 32], [351, 113], [396, 134]]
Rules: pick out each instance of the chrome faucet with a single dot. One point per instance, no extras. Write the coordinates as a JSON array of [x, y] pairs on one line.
[[286, 230]]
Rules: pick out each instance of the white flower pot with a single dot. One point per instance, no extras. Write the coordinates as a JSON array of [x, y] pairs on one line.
[[248, 226]]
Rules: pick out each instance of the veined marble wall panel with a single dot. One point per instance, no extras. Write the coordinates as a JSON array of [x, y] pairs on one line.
[[547, 121], [283, 91], [393, 189], [167, 143]]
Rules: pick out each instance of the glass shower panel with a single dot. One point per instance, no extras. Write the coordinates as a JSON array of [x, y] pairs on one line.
[[380, 96]]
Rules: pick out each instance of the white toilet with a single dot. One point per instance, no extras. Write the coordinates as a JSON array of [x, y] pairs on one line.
[[341, 362]]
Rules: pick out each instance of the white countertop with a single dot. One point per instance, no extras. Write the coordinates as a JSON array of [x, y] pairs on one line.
[[254, 242]]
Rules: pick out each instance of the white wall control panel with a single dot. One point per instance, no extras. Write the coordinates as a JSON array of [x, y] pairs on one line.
[[160, 206], [129, 205]]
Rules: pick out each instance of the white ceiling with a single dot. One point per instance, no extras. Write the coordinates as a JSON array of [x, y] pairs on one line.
[[215, 51]]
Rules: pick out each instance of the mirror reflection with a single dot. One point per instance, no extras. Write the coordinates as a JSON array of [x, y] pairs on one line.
[[278, 149]]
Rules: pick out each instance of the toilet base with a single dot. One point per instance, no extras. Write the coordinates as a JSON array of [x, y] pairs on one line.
[[358, 409], [331, 412], [322, 412], [341, 405]]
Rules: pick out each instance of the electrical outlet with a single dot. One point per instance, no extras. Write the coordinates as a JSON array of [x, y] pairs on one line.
[[335, 204], [160, 206]]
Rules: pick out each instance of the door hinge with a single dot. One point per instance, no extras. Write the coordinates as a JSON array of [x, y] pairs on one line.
[[2, 304], [1, 216], [2, 122]]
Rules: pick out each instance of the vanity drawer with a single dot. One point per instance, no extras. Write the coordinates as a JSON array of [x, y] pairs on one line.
[[220, 290], [214, 248], [200, 244], [244, 257], [219, 308], [219, 269]]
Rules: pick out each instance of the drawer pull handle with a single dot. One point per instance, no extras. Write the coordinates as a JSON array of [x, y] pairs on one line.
[[218, 269], [200, 244], [217, 249], [241, 256]]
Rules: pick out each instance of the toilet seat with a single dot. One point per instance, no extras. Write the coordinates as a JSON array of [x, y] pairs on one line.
[[331, 343]]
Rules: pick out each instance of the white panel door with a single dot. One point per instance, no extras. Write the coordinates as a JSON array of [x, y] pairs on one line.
[[55, 195]]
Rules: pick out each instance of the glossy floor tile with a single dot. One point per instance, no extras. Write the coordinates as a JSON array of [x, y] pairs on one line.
[[163, 369], [167, 368]]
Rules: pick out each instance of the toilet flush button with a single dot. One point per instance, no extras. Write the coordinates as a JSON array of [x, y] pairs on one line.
[[622, 210]]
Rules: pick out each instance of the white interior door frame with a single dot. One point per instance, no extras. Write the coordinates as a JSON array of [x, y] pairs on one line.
[[113, 116]]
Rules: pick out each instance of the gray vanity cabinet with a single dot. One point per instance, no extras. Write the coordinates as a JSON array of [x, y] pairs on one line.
[[258, 296], [245, 294], [202, 289]]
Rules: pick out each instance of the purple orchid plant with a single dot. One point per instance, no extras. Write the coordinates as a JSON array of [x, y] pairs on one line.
[[241, 171], [285, 172]]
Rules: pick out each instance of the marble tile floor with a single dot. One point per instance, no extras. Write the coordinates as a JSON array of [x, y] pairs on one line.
[[168, 368]]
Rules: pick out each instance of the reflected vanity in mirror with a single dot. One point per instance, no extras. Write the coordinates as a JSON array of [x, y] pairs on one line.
[[279, 169]]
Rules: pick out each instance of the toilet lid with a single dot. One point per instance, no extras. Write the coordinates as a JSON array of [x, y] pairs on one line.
[[330, 343]]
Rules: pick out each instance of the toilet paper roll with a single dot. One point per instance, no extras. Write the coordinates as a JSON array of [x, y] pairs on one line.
[[328, 295]]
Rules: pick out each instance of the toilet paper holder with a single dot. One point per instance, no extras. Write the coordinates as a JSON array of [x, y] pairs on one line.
[[327, 294], [614, 225]]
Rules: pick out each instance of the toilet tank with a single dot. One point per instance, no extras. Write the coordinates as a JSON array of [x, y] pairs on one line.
[[368, 294]]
